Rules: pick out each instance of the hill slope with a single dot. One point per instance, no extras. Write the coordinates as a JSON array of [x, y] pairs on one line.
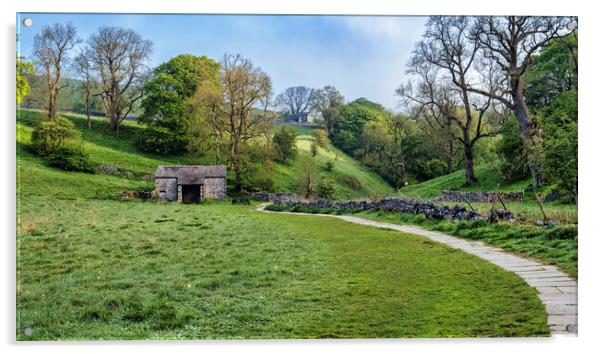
[[36, 178]]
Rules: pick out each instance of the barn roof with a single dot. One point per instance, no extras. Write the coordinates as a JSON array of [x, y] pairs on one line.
[[187, 174]]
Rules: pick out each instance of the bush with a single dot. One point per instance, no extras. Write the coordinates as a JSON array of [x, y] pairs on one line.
[[50, 135], [329, 166], [321, 138], [160, 140], [435, 168], [325, 189], [257, 178], [352, 182], [313, 149], [70, 158], [285, 144]]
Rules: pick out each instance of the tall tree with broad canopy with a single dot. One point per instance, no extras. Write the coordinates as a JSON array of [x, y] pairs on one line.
[[296, 100], [445, 61], [171, 85], [51, 49], [510, 43], [119, 58]]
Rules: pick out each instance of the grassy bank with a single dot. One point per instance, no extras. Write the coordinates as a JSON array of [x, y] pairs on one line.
[[553, 245]]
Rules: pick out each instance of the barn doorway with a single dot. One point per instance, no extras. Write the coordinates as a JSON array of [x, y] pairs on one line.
[[191, 193]]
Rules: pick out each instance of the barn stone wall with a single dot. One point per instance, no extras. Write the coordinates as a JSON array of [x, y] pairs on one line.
[[215, 188], [167, 188]]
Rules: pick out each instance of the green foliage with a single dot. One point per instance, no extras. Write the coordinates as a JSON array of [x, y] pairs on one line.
[[434, 168], [560, 145], [166, 100], [24, 71], [329, 165], [553, 72], [71, 158], [349, 125], [352, 182], [313, 149], [50, 135], [285, 144], [513, 159], [321, 138], [258, 178], [325, 188], [161, 140]]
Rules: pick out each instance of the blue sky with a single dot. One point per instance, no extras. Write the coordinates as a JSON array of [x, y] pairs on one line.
[[363, 56]]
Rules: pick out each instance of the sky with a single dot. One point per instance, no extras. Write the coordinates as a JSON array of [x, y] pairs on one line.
[[362, 56]]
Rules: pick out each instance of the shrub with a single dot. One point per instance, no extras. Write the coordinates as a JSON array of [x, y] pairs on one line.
[[161, 140], [50, 135], [329, 166], [434, 168], [285, 144], [70, 158], [352, 182], [313, 149], [321, 138], [325, 188]]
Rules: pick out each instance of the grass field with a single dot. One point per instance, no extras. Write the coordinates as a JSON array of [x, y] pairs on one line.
[[91, 269]]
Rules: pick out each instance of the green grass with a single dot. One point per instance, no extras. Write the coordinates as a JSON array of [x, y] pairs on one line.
[[552, 245], [488, 180], [92, 269]]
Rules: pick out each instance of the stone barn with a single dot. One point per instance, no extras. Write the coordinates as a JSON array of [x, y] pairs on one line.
[[190, 184]]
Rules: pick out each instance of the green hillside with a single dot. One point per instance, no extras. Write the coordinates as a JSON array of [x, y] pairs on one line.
[[104, 148]]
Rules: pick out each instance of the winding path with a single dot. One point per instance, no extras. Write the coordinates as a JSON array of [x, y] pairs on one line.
[[557, 290]]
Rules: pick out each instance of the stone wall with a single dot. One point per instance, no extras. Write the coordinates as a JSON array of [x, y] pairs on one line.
[[215, 188], [166, 188], [479, 197]]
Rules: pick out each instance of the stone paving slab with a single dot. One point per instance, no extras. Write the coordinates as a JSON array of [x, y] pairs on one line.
[[556, 290]]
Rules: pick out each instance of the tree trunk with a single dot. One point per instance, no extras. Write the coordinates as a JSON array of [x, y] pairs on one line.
[[469, 165], [52, 103], [529, 131]]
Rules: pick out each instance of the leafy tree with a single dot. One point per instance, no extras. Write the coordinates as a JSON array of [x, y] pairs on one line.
[[554, 70], [308, 177], [161, 140], [24, 71], [171, 85], [560, 145], [82, 65], [285, 144]]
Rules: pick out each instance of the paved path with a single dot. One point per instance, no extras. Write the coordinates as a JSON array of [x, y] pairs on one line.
[[557, 290]]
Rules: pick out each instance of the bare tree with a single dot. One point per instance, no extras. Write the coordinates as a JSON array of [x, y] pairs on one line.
[[510, 42], [296, 101], [445, 61], [51, 51], [119, 59], [82, 66]]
